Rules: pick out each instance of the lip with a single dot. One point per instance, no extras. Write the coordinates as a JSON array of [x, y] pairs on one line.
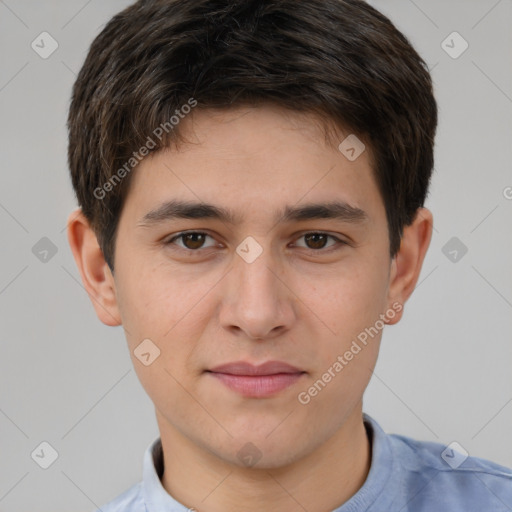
[[244, 368], [257, 381]]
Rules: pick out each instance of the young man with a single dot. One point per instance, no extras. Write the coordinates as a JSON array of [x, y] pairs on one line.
[[251, 178]]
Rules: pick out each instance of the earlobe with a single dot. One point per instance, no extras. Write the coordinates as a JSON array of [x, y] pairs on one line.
[[407, 264], [96, 276]]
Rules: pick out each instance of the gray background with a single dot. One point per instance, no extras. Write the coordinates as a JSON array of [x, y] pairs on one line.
[[65, 378]]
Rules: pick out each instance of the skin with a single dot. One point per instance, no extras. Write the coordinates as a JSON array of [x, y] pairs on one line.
[[298, 302]]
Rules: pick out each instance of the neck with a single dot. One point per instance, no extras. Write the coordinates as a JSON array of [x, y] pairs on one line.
[[322, 480]]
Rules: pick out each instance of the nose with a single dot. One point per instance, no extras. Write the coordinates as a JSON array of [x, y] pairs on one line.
[[258, 301]]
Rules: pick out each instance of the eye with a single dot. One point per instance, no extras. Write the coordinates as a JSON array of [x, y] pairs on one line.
[[191, 240], [318, 240]]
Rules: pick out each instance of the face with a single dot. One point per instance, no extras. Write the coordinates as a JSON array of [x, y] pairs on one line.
[[260, 276]]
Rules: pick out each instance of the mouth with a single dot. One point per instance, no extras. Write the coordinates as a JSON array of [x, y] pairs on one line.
[[260, 381]]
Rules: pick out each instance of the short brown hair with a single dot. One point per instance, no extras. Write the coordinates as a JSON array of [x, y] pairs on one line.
[[340, 59]]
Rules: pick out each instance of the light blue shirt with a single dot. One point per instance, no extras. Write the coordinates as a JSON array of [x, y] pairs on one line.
[[405, 476]]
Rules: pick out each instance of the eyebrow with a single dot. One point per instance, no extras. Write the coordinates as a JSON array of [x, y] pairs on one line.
[[175, 209]]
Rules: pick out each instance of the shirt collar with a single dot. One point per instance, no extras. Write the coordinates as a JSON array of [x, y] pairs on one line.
[[156, 498], [381, 485], [377, 492]]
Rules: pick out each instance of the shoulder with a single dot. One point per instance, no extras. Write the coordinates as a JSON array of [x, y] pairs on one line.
[[447, 475], [128, 501]]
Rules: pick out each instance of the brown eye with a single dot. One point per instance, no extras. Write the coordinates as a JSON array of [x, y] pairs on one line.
[[316, 240], [192, 241]]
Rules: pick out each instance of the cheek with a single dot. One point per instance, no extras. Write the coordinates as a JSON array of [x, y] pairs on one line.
[[347, 353], [349, 299], [157, 301], [171, 309]]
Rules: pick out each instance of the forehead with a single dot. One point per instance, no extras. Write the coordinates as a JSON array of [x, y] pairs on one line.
[[256, 159]]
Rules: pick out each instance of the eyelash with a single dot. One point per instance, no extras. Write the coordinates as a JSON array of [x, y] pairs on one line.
[[328, 249]]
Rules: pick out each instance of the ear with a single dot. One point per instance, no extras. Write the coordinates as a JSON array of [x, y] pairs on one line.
[[407, 263], [96, 275]]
